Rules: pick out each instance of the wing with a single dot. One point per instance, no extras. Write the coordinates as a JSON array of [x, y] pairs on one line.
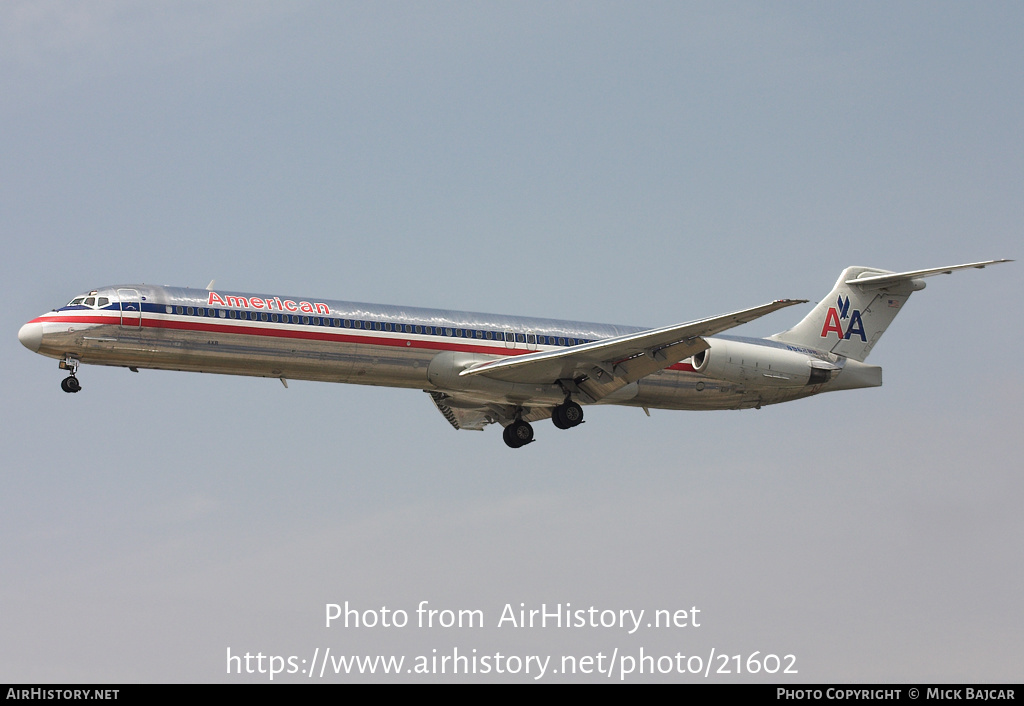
[[599, 368]]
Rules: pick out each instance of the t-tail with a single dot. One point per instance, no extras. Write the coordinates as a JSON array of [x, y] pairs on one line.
[[858, 310]]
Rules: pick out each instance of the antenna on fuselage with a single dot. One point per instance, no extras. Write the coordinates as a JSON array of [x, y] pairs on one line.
[[209, 287]]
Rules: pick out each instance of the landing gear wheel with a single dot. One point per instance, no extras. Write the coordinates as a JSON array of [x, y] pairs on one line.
[[567, 415], [558, 418], [572, 413], [518, 433], [70, 384]]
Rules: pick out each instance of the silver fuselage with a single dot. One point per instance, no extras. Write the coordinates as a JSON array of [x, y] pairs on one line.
[[171, 328]]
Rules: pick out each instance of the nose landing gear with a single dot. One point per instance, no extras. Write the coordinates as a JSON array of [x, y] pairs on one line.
[[70, 383]]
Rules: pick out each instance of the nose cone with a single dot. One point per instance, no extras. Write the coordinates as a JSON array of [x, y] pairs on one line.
[[31, 335]]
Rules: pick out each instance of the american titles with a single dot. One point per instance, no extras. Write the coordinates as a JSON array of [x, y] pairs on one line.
[[270, 304]]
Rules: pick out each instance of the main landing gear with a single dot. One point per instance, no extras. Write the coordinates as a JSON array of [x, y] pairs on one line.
[[518, 433], [565, 416], [70, 383]]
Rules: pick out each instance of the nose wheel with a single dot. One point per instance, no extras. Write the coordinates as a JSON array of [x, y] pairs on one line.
[[70, 383]]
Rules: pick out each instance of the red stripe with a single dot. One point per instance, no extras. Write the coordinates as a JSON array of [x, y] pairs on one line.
[[302, 335], [285, 333]]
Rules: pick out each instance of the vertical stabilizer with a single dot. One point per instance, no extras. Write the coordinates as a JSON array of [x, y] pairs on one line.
[[855, 314], [851, 319]]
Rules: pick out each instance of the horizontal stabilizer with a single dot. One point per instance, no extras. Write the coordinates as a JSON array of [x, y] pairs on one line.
[[878, 281]]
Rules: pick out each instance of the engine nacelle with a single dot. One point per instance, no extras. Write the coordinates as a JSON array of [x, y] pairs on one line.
[[756, 365]]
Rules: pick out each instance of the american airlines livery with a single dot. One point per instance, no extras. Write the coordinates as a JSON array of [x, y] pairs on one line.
[[482, 369]]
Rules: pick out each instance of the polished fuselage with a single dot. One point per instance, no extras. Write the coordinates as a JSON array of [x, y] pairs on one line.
[[144, 326]]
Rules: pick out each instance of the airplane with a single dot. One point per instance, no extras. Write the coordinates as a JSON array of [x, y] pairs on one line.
[[482, 369]]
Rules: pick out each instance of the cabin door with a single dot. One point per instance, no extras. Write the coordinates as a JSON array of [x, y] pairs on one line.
[[131, 308]]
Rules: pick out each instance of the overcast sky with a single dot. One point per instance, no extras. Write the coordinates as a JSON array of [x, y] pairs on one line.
[[634, 163]]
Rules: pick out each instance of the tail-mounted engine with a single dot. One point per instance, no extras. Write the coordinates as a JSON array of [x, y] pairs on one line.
[[757, 365]]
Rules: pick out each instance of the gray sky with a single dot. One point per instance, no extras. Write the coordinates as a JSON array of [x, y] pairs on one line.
[[631, 163]]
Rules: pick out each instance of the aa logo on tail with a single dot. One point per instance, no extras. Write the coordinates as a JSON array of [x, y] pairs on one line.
[[840, 313]]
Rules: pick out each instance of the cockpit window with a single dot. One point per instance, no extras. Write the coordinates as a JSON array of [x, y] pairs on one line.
[[91, 300]]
